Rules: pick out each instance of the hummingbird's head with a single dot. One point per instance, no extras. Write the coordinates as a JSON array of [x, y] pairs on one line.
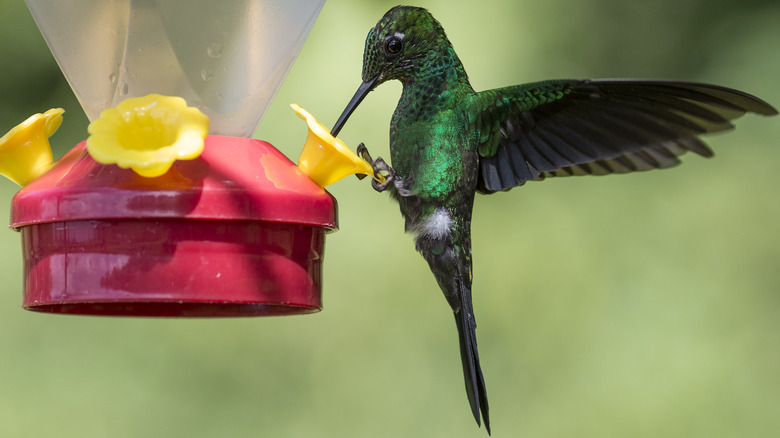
[[407, 43]]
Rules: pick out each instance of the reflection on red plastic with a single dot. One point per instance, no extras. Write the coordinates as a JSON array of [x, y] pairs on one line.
[[239, 231]]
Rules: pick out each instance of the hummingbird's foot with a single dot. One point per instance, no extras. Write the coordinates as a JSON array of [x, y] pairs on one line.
[[401, 184], [384, 169], [381, 169]]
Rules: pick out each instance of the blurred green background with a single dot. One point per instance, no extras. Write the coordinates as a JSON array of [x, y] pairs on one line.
[[643, 305]]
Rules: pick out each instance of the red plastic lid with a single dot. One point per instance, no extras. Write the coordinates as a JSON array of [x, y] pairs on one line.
[[235, 178]]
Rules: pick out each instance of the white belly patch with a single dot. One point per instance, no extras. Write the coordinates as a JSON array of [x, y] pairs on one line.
[[436, 226]]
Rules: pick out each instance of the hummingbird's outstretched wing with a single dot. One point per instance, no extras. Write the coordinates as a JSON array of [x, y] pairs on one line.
[[595, 127]]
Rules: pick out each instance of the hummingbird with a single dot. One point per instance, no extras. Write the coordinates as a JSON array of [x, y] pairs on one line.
[[449, 142]]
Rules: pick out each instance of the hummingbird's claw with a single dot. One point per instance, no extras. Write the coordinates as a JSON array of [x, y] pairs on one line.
[[382, 168], [362, 152]]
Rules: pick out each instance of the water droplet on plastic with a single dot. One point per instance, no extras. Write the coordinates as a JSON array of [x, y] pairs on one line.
[[112, 78], [123, 88], [214, 50], [205, 75]]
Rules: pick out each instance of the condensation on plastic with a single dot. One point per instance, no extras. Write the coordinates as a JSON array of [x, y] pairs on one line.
[[227, 58]]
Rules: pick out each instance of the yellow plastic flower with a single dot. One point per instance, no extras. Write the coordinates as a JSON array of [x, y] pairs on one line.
[[25, 153], [326, 159], [147, 134]]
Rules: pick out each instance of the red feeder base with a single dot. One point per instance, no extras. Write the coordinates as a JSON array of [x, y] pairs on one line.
[[239, 231], [172, 268]]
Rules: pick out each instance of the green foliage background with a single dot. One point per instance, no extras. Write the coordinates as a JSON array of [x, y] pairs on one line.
[[644, 305]]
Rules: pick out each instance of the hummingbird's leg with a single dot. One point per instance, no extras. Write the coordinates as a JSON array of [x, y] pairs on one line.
[[401, 187]]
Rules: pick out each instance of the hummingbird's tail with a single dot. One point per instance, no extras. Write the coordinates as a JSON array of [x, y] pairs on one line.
[[472, 371], [448, 252]]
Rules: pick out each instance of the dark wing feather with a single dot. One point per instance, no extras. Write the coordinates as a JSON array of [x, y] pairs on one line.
[[597, 127]]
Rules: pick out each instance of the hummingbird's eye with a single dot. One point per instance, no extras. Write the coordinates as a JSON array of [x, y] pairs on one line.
[[394, 45]]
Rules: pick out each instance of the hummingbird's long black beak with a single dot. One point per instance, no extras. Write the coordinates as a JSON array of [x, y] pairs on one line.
[[360, 94]]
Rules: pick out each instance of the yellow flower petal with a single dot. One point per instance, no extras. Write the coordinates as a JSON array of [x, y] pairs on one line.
[[148, 134], [326, 159], [25, 153]]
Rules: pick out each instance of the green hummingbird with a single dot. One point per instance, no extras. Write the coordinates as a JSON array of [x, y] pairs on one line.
[[448, 142]]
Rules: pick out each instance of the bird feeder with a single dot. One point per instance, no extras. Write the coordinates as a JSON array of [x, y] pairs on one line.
[[168, 208]]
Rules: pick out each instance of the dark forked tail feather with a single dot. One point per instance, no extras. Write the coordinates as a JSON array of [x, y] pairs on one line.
[[472, 371]]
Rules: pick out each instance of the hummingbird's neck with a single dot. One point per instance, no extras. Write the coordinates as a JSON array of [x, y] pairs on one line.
[[436, 83]]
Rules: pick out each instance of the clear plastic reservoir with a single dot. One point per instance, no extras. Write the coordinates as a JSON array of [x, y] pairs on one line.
[[227, 57]]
